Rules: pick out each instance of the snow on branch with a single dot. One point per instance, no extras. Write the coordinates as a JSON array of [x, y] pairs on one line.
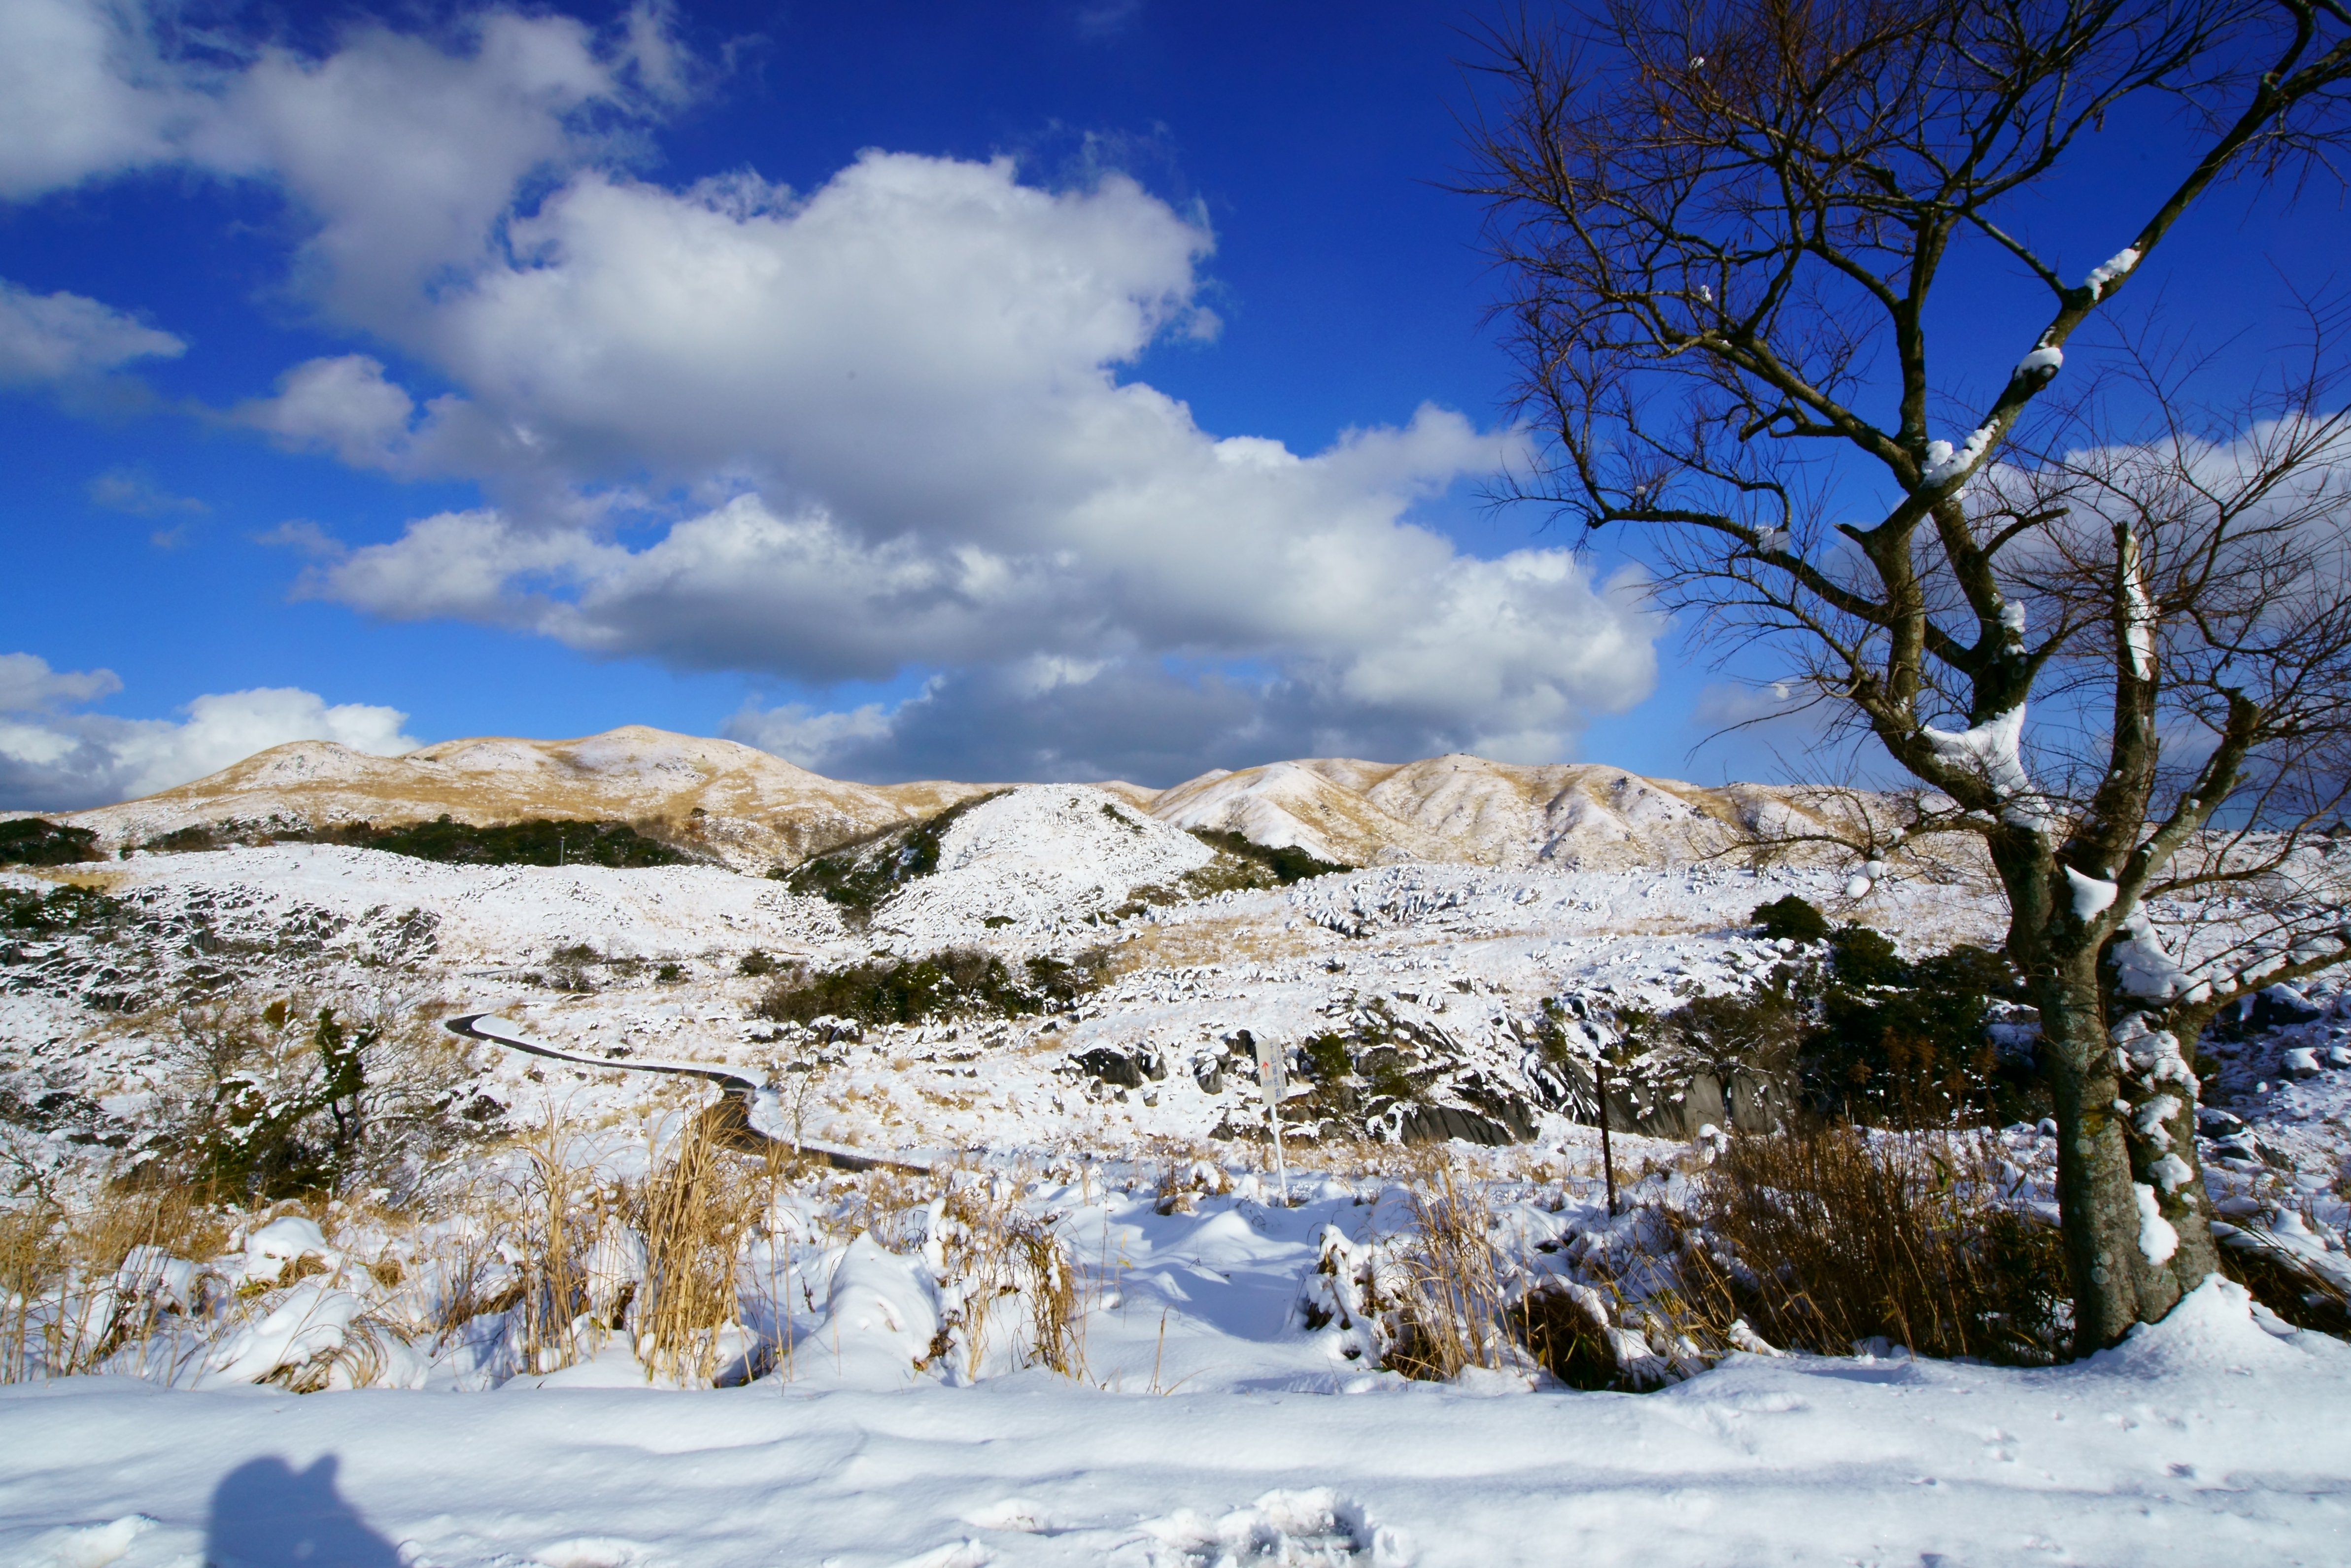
[[1992, 751]]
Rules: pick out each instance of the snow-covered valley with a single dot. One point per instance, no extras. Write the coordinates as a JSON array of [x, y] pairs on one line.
[[1081, 1315]]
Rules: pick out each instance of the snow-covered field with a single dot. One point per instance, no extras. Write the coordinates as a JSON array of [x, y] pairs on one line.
[[2204, 1439], [1172, 1380]]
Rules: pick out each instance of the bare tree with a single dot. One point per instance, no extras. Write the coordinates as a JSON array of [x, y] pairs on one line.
[[1722, 222]]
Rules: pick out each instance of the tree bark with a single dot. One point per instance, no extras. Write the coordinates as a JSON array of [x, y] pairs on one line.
[[2137, 1235]]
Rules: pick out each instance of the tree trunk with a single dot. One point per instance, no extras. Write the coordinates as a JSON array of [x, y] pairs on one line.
[[2138, 1236]]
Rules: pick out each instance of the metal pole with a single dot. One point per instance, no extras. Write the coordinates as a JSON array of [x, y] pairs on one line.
[[1607, 1154]]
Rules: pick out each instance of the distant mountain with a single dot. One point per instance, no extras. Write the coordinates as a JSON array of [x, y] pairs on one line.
[[754, 810], [742, 805], [1465, 808]]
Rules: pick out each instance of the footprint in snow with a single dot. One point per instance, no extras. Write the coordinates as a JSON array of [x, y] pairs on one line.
[[594, 1551], [1311, 1528]]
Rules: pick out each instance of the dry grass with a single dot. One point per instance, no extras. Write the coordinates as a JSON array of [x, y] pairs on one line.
[[58, 1307], [1452, 1318], [1228, 940], [697, 1212], [1013, 1293], [2283, 1282], [1835, 1237]]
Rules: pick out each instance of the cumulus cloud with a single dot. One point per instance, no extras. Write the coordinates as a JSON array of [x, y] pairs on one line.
[[64, 338], [52, 759], [342, 406], [911, 373], [889, 424], [83, 91], [27, 684]]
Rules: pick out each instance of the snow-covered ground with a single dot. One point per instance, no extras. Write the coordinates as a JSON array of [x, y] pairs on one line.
[[1190, 1402], [2203, 1439]]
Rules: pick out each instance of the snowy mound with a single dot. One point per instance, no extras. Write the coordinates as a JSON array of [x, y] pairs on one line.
[[1038, 857], [334, 895]]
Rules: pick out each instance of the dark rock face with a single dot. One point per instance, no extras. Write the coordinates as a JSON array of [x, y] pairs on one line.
[[1439, 1124], [1127, 1070], [2278, 1006]]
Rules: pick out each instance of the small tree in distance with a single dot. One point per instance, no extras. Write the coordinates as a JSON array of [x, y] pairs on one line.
[[1722, 222]]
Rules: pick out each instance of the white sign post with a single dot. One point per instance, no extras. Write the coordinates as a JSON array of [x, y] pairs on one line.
[[1272, 1079]]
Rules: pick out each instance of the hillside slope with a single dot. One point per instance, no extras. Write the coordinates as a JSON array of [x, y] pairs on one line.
[[1464, 809], [743, 806], [753, 811]]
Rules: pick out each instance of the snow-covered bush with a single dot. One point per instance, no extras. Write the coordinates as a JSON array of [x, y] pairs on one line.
[[1826, 1239]]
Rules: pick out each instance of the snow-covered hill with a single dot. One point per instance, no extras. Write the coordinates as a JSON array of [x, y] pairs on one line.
[[745, 807], [1466, 808], [752, 810]]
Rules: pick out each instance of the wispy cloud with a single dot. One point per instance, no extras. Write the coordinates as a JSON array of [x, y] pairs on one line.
[[134, 491]]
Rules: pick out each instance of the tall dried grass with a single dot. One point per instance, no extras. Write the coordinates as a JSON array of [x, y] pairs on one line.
[[697, 1212], [1451, 1318], [999, 1255], [64, 1307], [1836, 1237]]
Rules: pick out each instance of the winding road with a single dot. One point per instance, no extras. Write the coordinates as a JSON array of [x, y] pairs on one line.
[[736, 1123]]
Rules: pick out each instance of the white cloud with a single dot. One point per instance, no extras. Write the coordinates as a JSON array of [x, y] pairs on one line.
[[342, 406], [912, 375], [52, 338], [82, 93], [27, 684], [134, 491], [901, 409], [800, 734], [56, 760], [405, 154]]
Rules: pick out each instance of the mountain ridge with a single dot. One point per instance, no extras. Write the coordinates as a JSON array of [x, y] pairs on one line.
[[751, 809]]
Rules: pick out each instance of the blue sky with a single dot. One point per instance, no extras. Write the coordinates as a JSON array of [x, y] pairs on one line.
[[990, 390]]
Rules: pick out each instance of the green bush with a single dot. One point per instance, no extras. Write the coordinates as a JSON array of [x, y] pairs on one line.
[[282, 1119], [957, 980], [1791, 919], [34, 840], [1907, 1046], [1326, 1057], [539, 841], [1863, 957], [1286, 862], [1867, 1036], [861, 874], [61, 909]]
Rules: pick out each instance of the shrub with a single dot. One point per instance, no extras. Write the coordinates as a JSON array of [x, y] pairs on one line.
[[537, 841], [1837, 1237], [32, 840], [1866, 1037], [1863, 957], [1907, 1044], [1286, 862], [283, 1114], [755, 963], [955, 980], [61, 909], [1791, 919], [861, 874], [1326, 1057]]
